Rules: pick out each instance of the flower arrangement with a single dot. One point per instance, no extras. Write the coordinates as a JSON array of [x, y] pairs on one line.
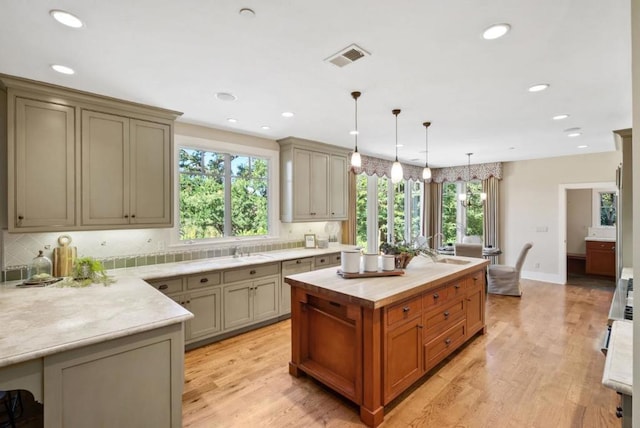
[[87, 271], [404, 252]]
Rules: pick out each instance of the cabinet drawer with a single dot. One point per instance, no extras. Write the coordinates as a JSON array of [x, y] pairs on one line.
[[204, 280], [252, 272], [435, 298], [404, 311], [167, 286], [439, 320], [601, 245], [291, 267], [327, 260], [456, 289], [437, 349], [475, 280]]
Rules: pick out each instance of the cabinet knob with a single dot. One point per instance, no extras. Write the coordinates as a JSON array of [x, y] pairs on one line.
[[321, 260], [188, 301], [298, 262], [619, 413], [163, 287], [133, 216], [252, 272], [448, 341], [333, 213], [338, 258], [126, 216], [613, 248], [20, 217], [446, 314], [406, 309], [420, 326], [436, 295], [458, 285], [204, 280]]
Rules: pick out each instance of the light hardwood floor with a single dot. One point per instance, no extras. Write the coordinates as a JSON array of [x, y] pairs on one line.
[[539, 365]]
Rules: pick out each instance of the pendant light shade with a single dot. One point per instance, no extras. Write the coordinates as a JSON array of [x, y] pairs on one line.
[[426, 172], [356, 161], [396, 168]]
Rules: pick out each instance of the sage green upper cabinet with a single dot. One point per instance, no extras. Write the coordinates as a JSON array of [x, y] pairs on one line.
[[126, 171], [313, 181], [80, 161], [42, 174]]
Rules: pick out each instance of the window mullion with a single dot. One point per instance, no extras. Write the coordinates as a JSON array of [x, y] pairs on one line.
[[227, 195], [372, 214], [408, 201]]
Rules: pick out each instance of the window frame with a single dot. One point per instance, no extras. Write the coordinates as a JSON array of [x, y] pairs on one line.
[[461, 211], [273, 185], [597, 206]]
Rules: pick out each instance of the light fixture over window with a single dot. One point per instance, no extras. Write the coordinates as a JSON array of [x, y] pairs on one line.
[[426, 172], [467, 199], [356, 162], [396, 169]]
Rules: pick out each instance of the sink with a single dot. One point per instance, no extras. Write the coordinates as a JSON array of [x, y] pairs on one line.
[[453, 261]]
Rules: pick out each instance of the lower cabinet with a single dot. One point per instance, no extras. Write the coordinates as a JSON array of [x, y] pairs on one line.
[[206, 308], [601, 258], [475, 303], [251, 301], [403, 356]]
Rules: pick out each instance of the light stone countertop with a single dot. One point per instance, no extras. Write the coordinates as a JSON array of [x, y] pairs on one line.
[[618, 365], [193, 267], [374, 292], [40, 321], [599, 238]]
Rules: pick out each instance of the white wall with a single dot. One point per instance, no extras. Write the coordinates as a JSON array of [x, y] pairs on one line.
[[529, 211], [635, 59]]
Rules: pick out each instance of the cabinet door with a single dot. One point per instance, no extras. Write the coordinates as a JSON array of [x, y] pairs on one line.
[[206, 307], [301, 184], [105, 169], [338, 187], [266, 298], [403, 358], [319, 190], [42, 165], [150, 173], [601, 258], [475, 309], [238, 305]]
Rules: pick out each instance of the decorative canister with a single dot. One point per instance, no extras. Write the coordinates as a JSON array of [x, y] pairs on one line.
[[350, 261], [370, 262], [388, 262]]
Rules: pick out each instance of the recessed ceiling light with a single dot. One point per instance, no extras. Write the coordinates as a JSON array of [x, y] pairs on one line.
[[66, 18], [539, 87], [574, 134], [265, 127], [225, 96], [353, 133], [287, 114], [583, 146], [399, 145], [495, 31], [63, 69], [560, 117], [511, 148], [247, 13], [232, 120]]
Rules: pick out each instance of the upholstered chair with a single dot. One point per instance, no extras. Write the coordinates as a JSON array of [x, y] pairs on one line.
[[471, 239], [468, 250], [506, 279]]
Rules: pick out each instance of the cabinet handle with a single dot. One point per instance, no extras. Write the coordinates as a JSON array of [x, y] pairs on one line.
[[406, 309], [446, 314], [420, 326], [338, 258], [20, 217], [458, 285], [333, 213], [204, 280], [252, 272], [321, 260], [163, 287], [448, 341], [188, 301], [436, 295], [613, 248], [126, 216], [133, 216], [298, 262], [336, 304]]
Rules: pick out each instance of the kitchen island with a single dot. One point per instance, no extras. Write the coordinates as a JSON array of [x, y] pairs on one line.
[[95, 356], [371, 338]]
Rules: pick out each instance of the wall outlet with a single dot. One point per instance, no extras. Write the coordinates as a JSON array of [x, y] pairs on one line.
[[161, 245], [537, 265]]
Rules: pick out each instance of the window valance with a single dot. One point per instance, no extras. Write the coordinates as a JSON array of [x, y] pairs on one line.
[[382, 167]]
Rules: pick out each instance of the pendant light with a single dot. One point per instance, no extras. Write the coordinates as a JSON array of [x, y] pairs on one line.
[[396, 169], [466, 199], [356, 161], [426, 172]]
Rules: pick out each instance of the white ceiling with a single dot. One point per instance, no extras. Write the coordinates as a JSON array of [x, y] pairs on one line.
[[427, 58]]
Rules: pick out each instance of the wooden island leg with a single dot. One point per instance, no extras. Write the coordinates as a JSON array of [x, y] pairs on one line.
[[372, 409], [296, 341]]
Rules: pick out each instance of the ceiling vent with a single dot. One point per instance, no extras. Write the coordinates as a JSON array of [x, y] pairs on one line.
[[347, 55]]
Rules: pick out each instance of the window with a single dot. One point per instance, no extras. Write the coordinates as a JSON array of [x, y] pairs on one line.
[[387, 212], [458, 221], [604, 208], [222, 195]]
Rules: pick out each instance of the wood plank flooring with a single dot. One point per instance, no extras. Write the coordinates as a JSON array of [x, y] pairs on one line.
[[539, 365]]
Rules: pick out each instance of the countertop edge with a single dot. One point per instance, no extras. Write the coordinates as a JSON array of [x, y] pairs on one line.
[[620, 355]]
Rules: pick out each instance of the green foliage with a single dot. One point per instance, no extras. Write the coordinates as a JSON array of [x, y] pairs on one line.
[[474, 215], [203, 190], [86, 271]]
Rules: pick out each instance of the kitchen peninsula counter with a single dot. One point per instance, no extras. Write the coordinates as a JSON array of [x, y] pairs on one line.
[[85, 352], [371, 338]]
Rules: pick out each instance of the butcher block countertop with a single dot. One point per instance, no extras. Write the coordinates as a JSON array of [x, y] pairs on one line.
[[421, 274]]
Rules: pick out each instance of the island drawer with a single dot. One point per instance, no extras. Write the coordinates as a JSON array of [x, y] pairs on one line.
[[440, 319], [203, 280], [445, 343], [243, 274], [404, 311], [168, 285], [475, 280], [327, 260]]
